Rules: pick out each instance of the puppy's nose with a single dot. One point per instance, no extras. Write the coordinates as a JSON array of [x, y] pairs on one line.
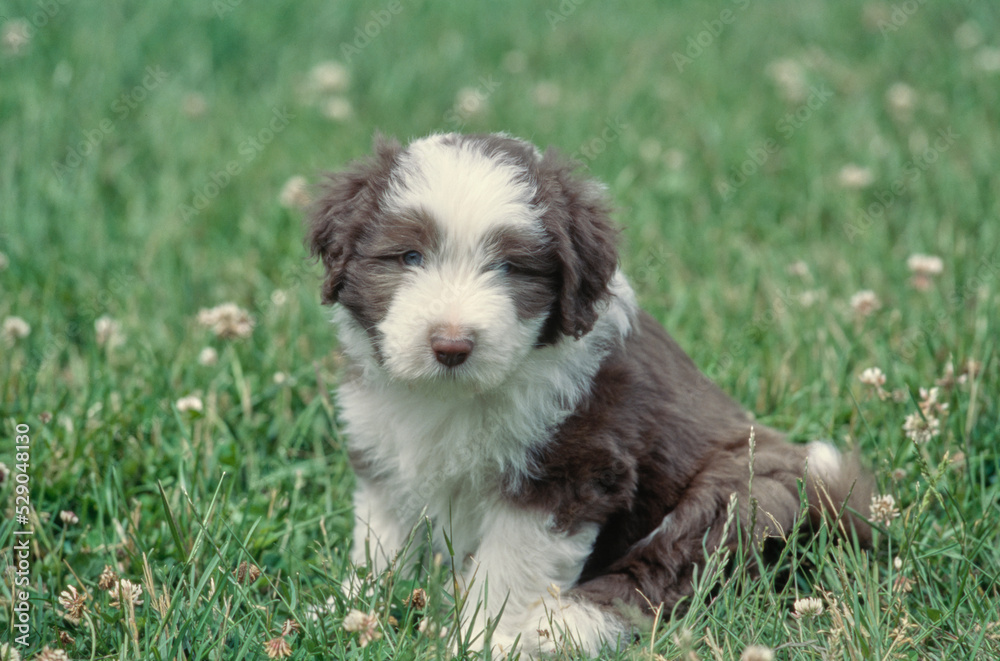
[[451, 346]]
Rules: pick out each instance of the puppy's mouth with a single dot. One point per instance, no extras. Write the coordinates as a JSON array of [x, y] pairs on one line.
[[458, 362], [450, 382]]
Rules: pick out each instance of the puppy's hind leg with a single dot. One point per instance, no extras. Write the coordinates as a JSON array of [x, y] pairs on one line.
[[660, 568]]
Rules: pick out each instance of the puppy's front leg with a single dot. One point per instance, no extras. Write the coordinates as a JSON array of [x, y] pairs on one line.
[[381, 527], [522, 566]]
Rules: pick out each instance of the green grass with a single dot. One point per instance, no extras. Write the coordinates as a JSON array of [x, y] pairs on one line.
[[261, 477]]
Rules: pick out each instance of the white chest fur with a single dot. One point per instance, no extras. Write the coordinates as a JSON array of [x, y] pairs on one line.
[[442, 457]]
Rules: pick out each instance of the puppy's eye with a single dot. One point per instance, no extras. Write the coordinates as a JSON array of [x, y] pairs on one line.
[[412, 258]]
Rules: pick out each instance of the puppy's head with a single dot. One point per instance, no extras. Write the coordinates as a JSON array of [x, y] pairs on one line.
[[458, 256]]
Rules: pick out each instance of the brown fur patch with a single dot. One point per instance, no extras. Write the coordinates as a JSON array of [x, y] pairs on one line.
[[533, 275], [370, 278], [577, 217], [656, 437], [347, 201]]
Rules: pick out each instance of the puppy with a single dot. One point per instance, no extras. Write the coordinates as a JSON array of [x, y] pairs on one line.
[[503, 385]]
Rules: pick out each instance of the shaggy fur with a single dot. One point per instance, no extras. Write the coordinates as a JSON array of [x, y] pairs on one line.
[[503, 385]]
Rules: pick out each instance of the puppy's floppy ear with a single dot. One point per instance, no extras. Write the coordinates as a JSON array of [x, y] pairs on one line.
[[345, 201], [577, 218]]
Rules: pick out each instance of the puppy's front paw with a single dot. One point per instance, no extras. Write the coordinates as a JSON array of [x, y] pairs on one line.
[[503, 641], [573, 624], [358, 585], [502, 646]]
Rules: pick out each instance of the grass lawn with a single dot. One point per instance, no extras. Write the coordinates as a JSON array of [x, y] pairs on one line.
[[771, 162]]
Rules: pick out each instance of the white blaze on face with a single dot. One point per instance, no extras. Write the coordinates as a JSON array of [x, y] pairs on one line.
[[467, 192], [468, 195]]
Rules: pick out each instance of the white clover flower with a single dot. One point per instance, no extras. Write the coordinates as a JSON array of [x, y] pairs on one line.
[[194, 105], [855, 177], [925, 264], [865, 302], [125, 591], [295, 193], [366, 624], [968, 35], [327, 77], [921, 428], [757, 653], [901, 99], [338, 109], [277, 648], [108, 332], [546, 94], [987, 59], [14, 35], [883, 509], [872, 376], [798, 268], [15, 328], [227, 321], [790, 78], [470, 101], [8, 653], [807, 607], [208, 357], [74, 602], [189, 404], [929, 404]]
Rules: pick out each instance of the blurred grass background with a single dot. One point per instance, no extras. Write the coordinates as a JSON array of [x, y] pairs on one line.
[[118, 124]]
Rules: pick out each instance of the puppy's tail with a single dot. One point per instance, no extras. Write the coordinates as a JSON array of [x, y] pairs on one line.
[[839, 491]]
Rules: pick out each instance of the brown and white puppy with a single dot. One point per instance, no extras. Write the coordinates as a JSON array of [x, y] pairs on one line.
[[503, 384]]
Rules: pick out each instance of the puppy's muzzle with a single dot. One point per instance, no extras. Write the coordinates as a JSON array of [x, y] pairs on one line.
[[451, 346]]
